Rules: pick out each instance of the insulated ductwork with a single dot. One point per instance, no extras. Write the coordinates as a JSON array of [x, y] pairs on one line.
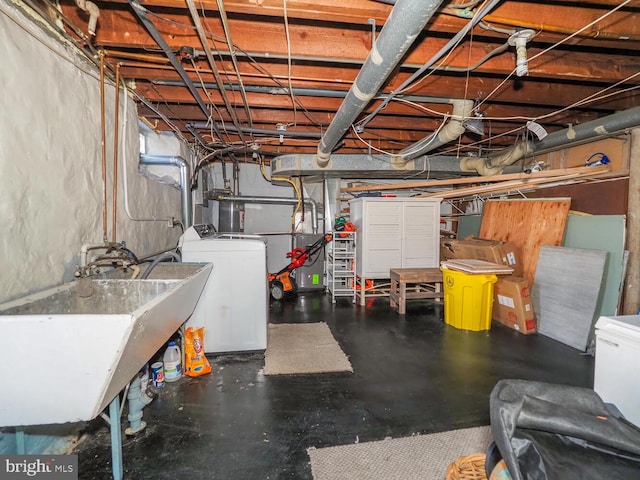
[[92, 9], [495, 164], [185, 176], [448, 133], [600, 128], [407, 19]]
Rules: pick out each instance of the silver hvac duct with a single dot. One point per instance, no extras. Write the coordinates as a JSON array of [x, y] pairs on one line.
[[272, 201], [406, 21], [382, 166], [185, 178]]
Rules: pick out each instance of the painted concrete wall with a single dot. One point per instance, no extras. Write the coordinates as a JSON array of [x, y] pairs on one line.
[[50, 164]]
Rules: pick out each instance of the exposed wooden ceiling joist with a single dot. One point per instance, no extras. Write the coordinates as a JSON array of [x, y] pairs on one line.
[[581, 68]]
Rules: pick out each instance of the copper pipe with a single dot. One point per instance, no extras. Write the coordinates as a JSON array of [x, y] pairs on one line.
[[114, 213], [542, 27], [136, 56], [103, 133]]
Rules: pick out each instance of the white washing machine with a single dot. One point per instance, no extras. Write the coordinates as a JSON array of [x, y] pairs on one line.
[[233, 306]]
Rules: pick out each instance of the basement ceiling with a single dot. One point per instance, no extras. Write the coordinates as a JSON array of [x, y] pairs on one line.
[[276, 71]]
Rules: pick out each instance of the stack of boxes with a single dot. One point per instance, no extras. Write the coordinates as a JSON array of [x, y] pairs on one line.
[[512, 302]]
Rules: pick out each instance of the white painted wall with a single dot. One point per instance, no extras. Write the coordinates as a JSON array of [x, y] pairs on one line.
[[50, 163]]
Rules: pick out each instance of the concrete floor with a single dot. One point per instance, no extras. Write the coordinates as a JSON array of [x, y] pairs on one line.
[[412, 374]]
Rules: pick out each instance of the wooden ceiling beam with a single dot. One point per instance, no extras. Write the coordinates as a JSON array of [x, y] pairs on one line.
[[358, 13], [527, 90], [324, 108], [333, 43]]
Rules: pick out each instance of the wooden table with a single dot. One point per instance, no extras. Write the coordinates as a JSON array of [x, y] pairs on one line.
[[412, 283]]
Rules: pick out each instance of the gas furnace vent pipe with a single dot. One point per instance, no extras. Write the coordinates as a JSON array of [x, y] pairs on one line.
[[272, 201], [185, 175]]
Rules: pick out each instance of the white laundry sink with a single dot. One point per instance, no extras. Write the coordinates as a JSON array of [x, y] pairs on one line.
[[161, 271], [66, 355]]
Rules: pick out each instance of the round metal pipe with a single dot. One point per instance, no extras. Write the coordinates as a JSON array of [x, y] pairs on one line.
[[302, 92], [406, 21], [273, 201], [185, 176], [261, 131]]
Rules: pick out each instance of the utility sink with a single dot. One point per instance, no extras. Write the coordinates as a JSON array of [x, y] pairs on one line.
[[69, 350], [161, 271]]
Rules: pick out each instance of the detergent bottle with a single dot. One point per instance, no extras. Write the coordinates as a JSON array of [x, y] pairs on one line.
[[172, 363]]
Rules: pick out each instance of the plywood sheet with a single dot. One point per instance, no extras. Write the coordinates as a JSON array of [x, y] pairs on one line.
[[529, 223], [565, 293]]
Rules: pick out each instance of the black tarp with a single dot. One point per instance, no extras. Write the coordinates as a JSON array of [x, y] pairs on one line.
[[546, 432]]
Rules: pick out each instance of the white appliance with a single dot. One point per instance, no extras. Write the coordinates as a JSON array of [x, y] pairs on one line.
[[233, 306], [617, 372]]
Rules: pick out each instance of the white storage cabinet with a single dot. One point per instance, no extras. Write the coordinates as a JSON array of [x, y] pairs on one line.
[[395, 233], [616, 376]]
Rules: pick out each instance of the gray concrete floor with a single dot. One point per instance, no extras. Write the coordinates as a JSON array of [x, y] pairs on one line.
[[413, 374]]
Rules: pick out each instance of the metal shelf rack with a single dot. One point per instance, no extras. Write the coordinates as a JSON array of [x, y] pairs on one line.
[[340, 265]]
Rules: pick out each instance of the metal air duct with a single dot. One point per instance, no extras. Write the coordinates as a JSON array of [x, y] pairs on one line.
[[185, 185], [272, 201]]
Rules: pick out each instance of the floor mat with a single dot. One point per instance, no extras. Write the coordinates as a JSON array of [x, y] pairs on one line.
[[423, 457], [299, 348]]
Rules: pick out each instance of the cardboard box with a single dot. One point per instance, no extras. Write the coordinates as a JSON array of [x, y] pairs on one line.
[[512, 304], [494, 251]]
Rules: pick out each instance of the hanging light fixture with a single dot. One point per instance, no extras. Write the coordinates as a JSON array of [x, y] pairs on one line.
[[474, 124]]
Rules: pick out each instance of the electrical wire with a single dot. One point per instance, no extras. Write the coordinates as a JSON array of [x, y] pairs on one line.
[[589, 25], [288, 36], [234, 60], [253, 61], [446, 50], [211, 103], [195, 16]]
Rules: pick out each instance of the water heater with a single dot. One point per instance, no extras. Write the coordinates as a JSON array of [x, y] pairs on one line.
[[231, 217]]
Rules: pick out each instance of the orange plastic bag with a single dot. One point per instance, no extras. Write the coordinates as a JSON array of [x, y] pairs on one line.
[[196, 362]]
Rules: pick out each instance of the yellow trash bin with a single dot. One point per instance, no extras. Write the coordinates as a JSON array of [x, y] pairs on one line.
[[468, 299]]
